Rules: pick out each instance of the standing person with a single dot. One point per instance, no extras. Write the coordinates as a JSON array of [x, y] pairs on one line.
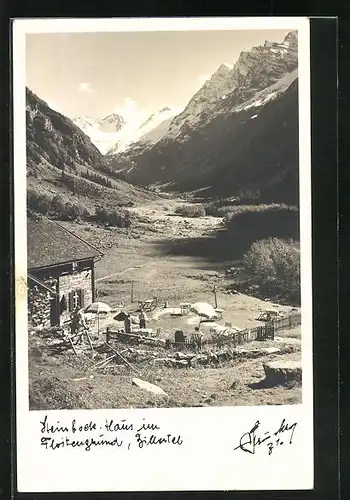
[[74, 321], [82, 319], [142, 319], [127, 324], [78, 322], [197, 338]]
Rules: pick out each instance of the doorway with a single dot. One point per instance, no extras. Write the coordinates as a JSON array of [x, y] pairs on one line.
[[54, 311]]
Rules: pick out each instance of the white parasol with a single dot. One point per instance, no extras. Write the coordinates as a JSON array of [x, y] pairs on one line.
[[204, 310], [98, 307]]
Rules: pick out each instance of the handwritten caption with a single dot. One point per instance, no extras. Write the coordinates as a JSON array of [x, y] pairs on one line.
[[118, 434], [88, 435], [254, 438]]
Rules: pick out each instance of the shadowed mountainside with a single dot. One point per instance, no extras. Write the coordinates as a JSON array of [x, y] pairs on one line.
[[62, 161], [237, 135], [54, 138]]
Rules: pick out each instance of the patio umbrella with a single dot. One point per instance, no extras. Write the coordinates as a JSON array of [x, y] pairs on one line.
[[204, 310], [98, 307], [121, 316]]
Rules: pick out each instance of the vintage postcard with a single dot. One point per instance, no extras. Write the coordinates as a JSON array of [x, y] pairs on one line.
[[163, 254]]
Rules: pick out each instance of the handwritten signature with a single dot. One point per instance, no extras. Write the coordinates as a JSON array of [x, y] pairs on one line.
[[250, 440]]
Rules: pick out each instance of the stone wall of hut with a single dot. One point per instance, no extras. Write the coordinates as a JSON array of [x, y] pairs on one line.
[[38, 307], [70, 283]]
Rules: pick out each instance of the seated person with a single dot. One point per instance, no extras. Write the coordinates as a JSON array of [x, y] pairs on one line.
[[179, 337]]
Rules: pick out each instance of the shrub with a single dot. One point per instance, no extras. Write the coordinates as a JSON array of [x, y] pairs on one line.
[[278, 209], [55, 207], [254, 223], [190, 210], [230, 208], [115, 218], [58, 205], [38, 202], [98, 179], [78, 185], [274, 265], [71, 211]]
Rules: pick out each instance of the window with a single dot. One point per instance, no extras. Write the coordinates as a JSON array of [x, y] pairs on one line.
[[76, 299]]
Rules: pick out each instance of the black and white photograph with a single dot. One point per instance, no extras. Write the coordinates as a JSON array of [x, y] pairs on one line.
[[165, 199]]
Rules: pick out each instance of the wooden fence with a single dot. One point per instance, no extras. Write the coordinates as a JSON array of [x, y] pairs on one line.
[[263, 332]]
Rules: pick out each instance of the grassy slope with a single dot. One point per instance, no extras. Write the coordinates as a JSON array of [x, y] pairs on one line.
[[52, 384], [48, 182]]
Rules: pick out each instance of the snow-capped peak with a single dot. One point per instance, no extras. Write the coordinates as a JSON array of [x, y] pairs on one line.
[[144, 131], [113, 118], [114, 121], [114, 132], [102, 131], [85, 121]]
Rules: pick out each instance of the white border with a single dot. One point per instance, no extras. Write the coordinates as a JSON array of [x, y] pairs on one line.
[[207, 461]]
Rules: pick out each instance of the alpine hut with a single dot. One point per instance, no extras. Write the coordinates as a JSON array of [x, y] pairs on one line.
[[60, 272]]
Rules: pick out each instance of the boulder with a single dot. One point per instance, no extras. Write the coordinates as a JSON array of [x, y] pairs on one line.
[[270, 350], [181, 356], [281, 372], [147, 386], [183, 363], [213, 358], [224, 355], [199, 359], [163, 361], [288, 340]]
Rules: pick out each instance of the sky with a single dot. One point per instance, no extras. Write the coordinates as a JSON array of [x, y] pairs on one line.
[[131, 73]]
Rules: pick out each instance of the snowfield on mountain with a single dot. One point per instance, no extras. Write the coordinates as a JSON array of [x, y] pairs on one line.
[[114, 133]]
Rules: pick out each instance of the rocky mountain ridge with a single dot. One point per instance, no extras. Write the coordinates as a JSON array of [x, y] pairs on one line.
[[254, 70], [254, 101]]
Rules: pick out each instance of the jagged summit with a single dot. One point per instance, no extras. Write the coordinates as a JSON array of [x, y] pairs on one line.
[[114, 118], [223, 69], [291, 37]]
